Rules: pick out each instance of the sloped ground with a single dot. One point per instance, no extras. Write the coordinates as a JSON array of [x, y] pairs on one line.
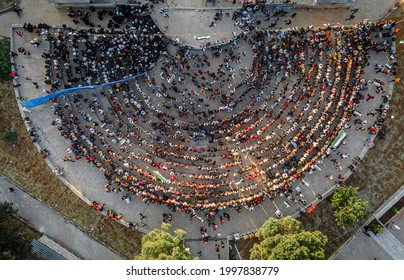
[[22, 164], [5, 4]]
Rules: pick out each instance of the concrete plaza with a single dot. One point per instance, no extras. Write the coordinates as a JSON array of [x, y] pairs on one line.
[[89, 182]]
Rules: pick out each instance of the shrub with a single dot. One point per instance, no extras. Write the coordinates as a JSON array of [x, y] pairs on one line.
[[394, 210], [376, 228]]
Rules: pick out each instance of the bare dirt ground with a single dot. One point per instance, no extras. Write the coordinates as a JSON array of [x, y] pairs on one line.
[[22, 164]]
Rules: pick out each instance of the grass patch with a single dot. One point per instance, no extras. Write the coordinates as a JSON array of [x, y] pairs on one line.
[[22, 164], [5, 4], [15, 236], [9, 137]]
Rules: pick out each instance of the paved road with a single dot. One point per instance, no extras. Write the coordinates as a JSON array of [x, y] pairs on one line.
[[51, 223]]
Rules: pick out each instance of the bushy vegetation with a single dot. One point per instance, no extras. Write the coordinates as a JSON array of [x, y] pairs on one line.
[[13, 245], [376, 228], [285, 239], [9, 137], [5, 67], [349, 207], [159, 244]]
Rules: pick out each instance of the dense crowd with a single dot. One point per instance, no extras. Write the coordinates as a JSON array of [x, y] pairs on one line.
[[100, 55], [218, 128]]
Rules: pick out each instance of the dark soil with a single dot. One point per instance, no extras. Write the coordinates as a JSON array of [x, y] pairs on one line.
[[244, 246], [389, 214]]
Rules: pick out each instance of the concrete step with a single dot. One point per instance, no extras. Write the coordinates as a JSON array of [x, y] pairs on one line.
[[57, 248], [390, 244]]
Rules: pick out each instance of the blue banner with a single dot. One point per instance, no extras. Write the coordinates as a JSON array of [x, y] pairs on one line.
[[46, 98]]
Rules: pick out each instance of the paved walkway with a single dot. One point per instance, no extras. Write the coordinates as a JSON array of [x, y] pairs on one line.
[[198, 20], [390, 244], [49, 222]]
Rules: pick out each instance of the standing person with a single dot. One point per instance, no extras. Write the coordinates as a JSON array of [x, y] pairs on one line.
[[350, 17], [17, 10]]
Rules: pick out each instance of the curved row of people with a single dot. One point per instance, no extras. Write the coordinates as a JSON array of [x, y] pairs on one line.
[[301, 136]]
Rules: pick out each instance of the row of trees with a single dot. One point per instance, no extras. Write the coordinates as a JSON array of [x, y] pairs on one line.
[[279, 239], [282, 239], [285, 239]]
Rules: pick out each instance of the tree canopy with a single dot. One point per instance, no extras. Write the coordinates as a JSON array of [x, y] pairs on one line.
[[349, 208], [284, 239], [159, 244], [13, 246]]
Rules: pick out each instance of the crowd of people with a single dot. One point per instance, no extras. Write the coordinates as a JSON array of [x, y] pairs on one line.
[[94, 56], [219, 128]]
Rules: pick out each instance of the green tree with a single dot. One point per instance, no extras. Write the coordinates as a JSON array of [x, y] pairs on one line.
[[5, 67], [284, 239], [13, 246], [349, 208], [159, 244]]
